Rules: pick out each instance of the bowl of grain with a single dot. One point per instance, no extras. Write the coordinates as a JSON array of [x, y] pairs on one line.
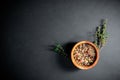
[[85, 55]]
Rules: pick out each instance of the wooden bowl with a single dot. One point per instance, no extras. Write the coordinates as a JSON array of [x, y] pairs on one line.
[[83, 67]]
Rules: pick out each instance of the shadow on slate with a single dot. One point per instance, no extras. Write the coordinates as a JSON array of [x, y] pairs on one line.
[[65, 62]]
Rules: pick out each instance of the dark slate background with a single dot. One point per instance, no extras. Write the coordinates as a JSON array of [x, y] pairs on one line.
[[31, 27]]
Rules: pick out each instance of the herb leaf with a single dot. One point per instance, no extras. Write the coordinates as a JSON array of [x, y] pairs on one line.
[[59, 49], [101, 35]]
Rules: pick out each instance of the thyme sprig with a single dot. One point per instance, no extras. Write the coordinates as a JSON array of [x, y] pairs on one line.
[[58, 48], [101, 35]]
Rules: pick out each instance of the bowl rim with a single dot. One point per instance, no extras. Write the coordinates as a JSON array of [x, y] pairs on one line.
[[85, 67]]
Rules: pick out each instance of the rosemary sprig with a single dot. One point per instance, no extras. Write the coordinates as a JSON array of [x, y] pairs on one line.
[[59, 49], [101, 35]]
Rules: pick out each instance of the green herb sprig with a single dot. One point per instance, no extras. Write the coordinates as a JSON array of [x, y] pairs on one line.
[[101, 35], [59, 49]]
